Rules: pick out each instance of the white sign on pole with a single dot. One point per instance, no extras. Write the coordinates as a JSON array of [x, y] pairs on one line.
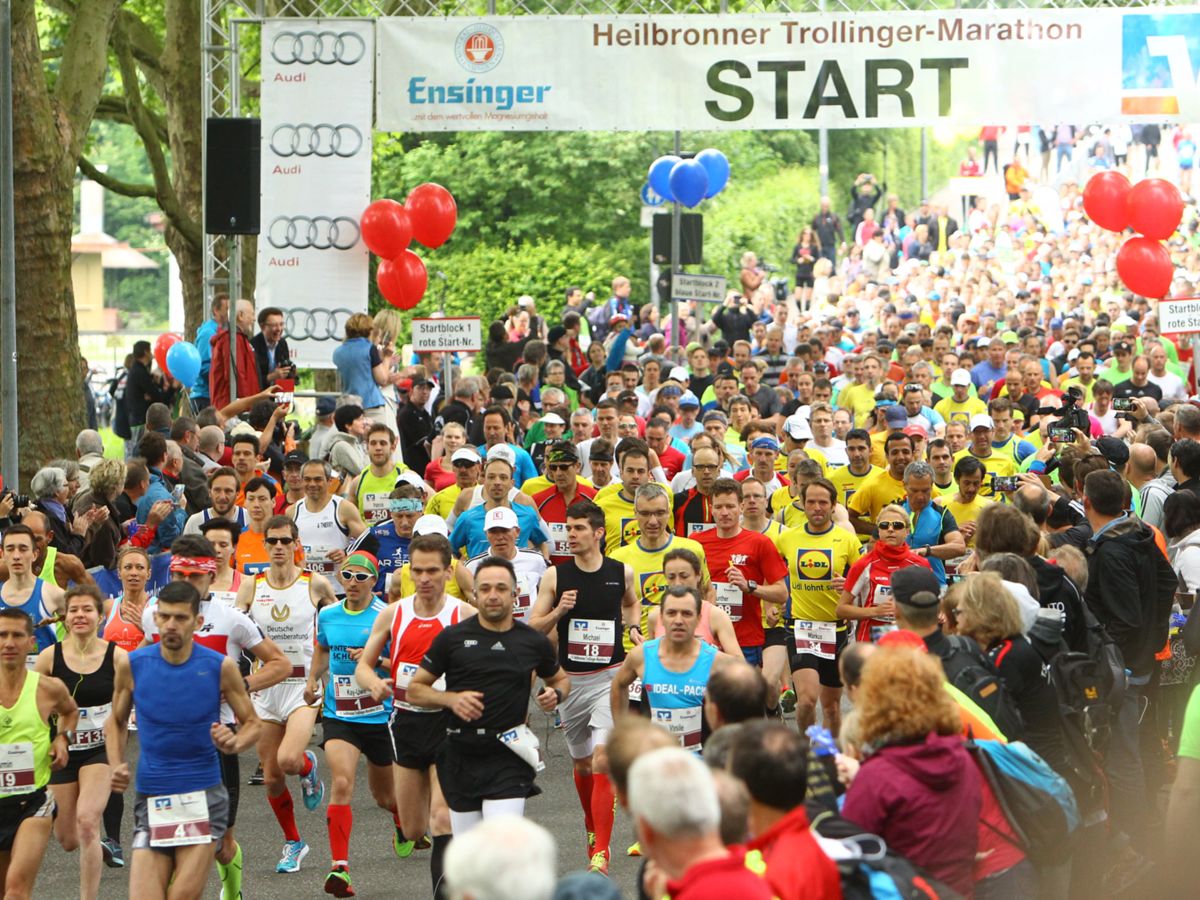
[[755, 71], [703, 288], [459, 334], [317, 92], [1179, 316]]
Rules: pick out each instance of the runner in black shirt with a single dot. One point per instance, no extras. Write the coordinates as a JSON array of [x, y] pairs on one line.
[[487, 765]]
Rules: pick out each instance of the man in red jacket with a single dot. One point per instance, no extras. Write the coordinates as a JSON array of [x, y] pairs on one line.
[[247, 365], [771, 759]]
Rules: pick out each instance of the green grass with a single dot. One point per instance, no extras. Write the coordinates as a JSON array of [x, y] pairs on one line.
[[114, 447]]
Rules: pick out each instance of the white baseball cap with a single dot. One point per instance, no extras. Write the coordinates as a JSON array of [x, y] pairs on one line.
[[430, 524], [960, 376], [797, 428], [500, 517], [678, 373], [504, 452], [464, 454], [981, 420], [411, 478], [552, 419], [524, 300]]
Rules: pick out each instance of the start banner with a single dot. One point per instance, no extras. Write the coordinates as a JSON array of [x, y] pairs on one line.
[[832, 70]]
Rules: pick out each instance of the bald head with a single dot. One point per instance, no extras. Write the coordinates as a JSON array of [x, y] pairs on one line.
[[1034, 501], [245, 317], [38, 523], [212, 440], [1143, 462], [736, 693]]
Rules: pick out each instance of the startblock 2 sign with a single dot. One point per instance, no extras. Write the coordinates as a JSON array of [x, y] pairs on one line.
[[462, 334]]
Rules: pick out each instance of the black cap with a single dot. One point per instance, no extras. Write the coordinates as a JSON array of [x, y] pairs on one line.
[[555, 334], [1122, 347], [562, 452], [502, 392], [916, 586], [326, 406], [1115, 450], [295, 458]]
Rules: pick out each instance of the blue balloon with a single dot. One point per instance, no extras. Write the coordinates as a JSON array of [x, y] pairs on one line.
[[689, 181], [183, 361], [660, 176], [717, 167]]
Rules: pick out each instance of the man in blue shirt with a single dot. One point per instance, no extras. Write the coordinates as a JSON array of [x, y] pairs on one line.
[[987, 373], [469, 530], [497, 429], [153, 449], [204, 336]]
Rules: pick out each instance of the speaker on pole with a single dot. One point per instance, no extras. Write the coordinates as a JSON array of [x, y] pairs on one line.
[[691, 243], [232, 182]]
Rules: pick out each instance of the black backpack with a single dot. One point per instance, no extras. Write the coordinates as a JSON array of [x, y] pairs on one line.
[[971, 672]]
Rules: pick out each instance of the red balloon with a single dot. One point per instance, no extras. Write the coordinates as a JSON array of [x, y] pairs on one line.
[[386, 228], [1105, 200], [162, 344], [1155, 208], [403, 280], [1145, 267], [434, 213]]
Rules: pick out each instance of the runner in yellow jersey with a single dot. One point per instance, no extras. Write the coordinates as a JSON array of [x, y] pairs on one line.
[[942, 462], [620, 518], [818, 557], [467, 469], [370, 488], [460, 584], [965, 504], [884, 487], [960, 406], [850, 478]]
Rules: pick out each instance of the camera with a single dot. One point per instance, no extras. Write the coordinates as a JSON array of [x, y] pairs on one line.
[[1122, 404], [780, 286], [1005, 483], [1061, 435], [1071, 414], [20, 501]]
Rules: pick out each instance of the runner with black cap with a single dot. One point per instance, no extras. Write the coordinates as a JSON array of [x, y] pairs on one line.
[[488, 763], [562, 467]]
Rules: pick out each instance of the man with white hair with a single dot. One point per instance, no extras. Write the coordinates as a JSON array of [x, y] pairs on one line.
[[673, 800], [89, 449], [505, 858]]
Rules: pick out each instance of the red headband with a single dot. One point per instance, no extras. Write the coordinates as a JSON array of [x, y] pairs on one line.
[[194, 564]]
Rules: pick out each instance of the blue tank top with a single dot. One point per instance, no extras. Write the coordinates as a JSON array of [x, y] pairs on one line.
[[177, 752], [393, 552], [677, 698], [35, 608], [341, 630], [926, 531], [353, 361]]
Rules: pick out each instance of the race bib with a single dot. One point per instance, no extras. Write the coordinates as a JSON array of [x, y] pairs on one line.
[[179, 820], [683, 723], [882, 594], [523, 742], [524, 602], [228, 598], [351, 701], [89, 733], [16, 768], [816, 638], [591, 641], [730, 599], [375, 508], [695, 528], [316, 559], [558, 539], [635, 691], [294, 651], [404, 676]]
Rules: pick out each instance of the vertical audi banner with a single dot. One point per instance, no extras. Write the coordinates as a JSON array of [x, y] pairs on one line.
[[317, 92]]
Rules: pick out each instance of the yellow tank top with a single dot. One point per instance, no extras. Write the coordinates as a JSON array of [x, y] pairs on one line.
[[24, 743]]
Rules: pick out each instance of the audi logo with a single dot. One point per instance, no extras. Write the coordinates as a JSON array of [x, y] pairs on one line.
[[313, 233], [316, 324], [323, 47], [316, 140]]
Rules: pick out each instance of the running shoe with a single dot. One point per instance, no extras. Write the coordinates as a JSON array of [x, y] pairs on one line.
[[591, 844], [293, 854], [599, 863], [257, 777], [312, 787], [424, 842], [635, 849], [114, 856], [337, 882], [403, 849], [787, 701]]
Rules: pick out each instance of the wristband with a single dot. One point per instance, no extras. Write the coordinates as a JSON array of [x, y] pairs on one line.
[[559, 695], [1038, 467]]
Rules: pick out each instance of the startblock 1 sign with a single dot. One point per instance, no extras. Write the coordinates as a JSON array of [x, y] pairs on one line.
[[1179, 316], [461, 334]]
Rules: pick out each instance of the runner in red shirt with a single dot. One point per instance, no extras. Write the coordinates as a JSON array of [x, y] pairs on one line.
[[867, 595], [562, 468]]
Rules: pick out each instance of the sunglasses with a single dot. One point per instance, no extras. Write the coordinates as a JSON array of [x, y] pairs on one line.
[[892, 526], [356, 576], [559, 467], [276, 541]]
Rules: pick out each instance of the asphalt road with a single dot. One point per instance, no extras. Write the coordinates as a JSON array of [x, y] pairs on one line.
[[375, 869]]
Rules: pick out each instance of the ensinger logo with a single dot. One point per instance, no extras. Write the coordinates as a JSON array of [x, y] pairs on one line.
[[1158, 69], [479, 48], [814, 565]]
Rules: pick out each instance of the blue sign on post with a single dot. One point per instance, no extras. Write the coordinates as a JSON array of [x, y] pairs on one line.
[[649, 197]]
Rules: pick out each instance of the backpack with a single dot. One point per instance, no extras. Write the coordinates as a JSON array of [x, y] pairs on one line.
[[972, 673], [1037, 802]]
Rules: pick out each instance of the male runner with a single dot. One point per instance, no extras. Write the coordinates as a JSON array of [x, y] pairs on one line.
[[848, 479], [693, 507], [405, 629], [180, 688], [818, 555], [353, 722], [503, 530], [229, 631], [674, 670], [488, 762], [562, 466], [283, 602], [617, 500], [37, 598], [747, 569], [371, 488], [328, 524], [406, 503], [588, 602], [27, 701], [223, 488], [259, 499]]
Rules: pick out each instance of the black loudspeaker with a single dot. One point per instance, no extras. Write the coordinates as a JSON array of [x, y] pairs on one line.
[[232, 182], [691, 239]]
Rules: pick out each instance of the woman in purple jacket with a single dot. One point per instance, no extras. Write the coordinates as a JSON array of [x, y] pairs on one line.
[[917, 788]]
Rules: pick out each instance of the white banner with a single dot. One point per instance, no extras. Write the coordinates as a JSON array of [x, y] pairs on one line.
[[836, 70], [317, 92]]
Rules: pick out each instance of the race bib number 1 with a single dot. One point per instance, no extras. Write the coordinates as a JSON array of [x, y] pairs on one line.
[[179, 820], [683, 723], [16, 768], [351, 701]]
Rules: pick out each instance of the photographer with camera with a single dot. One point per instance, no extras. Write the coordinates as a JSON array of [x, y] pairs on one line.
[[271, 353], [735, 317]]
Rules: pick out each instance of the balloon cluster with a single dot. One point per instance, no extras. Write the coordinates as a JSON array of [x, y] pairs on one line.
[[428, 216], [689, 181], [1153, 208], [178, 359]]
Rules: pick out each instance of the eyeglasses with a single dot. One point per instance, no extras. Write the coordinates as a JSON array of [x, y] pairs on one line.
[[892, 526], [276, 541], [355, 576], [705, 468], [559, 467]]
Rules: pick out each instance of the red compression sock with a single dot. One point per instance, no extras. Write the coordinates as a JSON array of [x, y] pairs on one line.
[[307, 767], [583, 786], [285, 814], [603, 810], [340, 819]]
